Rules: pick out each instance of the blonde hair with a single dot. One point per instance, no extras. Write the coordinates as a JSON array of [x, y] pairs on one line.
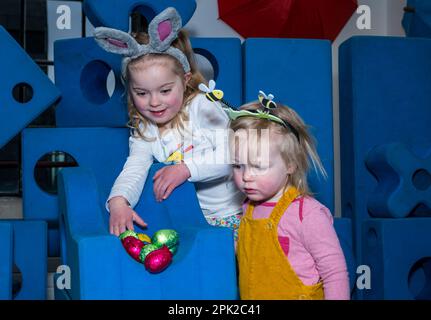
[[136, 119], [296, 152]]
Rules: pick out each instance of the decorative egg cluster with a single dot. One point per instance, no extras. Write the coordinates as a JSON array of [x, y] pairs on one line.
[[155, 253]]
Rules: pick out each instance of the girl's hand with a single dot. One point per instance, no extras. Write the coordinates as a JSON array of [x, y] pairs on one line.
[[122, 216], [168, 178]]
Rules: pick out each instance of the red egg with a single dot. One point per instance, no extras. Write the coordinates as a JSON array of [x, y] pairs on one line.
[[133, 246], [127, 240], [157, 260]]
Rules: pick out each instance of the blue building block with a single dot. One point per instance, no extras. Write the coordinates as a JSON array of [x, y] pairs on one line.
[[404, 180], [102, 149], [384, 98], [225, 56], [6, 258], [417, 22], [18, 69], [116, 13], [82, 68], [398, 252], [203, 268], [299, 74], [29, 255], [81, 71], [343, 228]]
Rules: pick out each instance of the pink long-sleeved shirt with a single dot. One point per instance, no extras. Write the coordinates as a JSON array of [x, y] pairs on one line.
[[311, 245]]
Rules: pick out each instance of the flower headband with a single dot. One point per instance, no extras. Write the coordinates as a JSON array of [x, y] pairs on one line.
[[264, 112], [162, 30]]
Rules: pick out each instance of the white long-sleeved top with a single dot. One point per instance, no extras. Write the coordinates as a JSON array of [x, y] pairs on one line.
[[204, 146]]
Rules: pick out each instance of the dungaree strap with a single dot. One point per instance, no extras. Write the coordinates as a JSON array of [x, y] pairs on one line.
[[282, 204], [279, 209]]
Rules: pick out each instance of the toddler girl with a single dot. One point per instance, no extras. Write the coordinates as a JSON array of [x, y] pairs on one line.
[[287, 246]]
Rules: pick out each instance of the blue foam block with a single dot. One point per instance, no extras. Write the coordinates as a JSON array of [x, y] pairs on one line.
[[102, 149], [103, 270], [6, 258], [298, 73], [225, 56], [403, 177], [398, 252], [81, 71], [18, 68], [29, 255], [384, 98], [343, 227], [116, 13], [82, 67]]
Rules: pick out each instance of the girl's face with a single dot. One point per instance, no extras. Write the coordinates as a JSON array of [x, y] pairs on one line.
[[260, 172], [156, 91]]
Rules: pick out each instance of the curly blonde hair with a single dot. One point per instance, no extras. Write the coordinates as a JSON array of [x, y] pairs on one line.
[[297, 152], [137, 122]]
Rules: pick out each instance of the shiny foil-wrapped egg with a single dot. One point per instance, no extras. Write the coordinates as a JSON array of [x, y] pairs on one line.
[[143, 237], [147, 249], [166, 237], [133, 247], [128, 233], [158, 260]]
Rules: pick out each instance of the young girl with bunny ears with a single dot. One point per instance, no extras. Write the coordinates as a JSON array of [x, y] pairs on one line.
[[171, 122]]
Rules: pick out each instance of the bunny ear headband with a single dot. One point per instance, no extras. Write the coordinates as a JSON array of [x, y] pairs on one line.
[[264, 112], [162, 30]]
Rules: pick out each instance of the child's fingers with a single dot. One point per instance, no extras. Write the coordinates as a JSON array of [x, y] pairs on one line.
[[139, 220], [160, 192], [122, 228], [116, 230], [158, 173], [156, 188], [168, 191], [129, 225], [159, 189]]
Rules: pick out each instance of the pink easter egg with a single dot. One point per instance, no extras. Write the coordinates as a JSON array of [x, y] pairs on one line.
[[157, 260], [133, 247]]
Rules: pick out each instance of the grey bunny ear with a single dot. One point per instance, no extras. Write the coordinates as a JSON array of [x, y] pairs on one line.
[[163, 29], [116, 41]]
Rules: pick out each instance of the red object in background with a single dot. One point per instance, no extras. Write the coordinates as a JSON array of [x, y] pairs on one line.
[[313, 19]]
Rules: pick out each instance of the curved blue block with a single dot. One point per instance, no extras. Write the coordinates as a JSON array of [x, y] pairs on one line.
[[404, 180], [17, 68], [82, 68], [6, 258], [101, 267], [116, 13], [298, 73]]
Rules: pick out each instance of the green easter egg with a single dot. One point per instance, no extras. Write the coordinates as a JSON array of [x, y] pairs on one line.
[[146, 250], [173, 250], [128, 233], [166, 237]]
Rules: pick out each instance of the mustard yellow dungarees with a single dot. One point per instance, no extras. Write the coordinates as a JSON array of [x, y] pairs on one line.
[[264, 271]]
